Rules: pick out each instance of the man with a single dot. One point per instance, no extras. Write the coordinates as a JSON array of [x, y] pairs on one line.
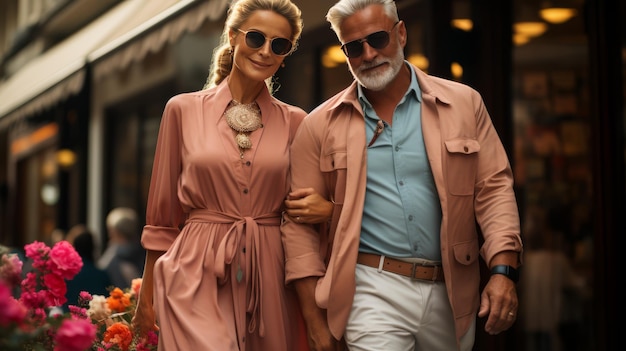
[[123, 258], [412, 163]]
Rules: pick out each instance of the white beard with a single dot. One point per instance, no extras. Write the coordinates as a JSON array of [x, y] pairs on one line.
[[377, 81]]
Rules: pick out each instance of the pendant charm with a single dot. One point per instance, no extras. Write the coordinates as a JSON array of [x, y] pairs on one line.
[[243, 119], [239, 274], [243, 140]]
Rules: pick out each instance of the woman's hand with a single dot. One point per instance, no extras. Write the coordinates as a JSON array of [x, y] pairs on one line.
[[308, 206], [144, 319]]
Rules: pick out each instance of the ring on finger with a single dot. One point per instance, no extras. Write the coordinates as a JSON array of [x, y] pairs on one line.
[[511, 314]]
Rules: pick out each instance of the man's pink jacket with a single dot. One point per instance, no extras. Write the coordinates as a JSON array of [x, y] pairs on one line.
[[471, 172]]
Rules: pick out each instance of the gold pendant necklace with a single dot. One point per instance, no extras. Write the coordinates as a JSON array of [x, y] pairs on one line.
[[243, 119]]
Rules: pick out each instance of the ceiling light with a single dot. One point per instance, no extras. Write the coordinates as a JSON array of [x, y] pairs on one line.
[[419, 60], [531, 29], [557, 15], [520, 39], [464, 24], [333, 57]]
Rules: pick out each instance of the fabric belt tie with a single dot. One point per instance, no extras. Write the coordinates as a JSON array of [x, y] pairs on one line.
[[418, 271], [242, 228]]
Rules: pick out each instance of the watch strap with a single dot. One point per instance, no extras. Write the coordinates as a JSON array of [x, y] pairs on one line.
[[508, 271]]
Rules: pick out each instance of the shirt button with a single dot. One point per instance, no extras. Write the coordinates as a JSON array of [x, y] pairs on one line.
[[248, 163], [410, 217], [397, 148], [245, 191], [401, 182]]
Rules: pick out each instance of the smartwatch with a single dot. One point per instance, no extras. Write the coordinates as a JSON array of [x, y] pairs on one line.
[[507, 271]]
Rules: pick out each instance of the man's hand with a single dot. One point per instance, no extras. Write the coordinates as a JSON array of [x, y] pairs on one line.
[[499, 302]]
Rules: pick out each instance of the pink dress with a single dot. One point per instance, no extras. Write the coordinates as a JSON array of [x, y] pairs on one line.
[[221, 284]]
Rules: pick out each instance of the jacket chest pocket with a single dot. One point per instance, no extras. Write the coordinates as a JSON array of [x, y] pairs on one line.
[[334, 169], [461, 163]]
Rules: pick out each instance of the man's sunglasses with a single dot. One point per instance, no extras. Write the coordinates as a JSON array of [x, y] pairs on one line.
[[256, 39], [377, 40]]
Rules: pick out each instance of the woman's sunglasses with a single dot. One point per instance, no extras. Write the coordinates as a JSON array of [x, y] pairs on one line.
[[256, 39], [377, 40]]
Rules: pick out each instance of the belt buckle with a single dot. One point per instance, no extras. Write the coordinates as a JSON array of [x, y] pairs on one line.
[[433, 278]]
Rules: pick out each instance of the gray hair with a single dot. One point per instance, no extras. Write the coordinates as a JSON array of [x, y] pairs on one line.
[[125, 221], [346, 8]]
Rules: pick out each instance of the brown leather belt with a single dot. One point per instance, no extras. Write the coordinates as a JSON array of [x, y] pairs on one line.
[[408, 269]]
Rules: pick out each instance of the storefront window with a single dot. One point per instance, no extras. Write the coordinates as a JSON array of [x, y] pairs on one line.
[[553, 173]]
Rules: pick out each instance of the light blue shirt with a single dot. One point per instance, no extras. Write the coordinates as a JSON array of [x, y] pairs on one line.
[[402, 213]]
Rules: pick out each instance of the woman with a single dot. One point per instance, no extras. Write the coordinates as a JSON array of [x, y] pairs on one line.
[[221, 175]]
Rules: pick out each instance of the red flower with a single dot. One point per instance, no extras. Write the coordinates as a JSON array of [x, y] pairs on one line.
[[119, 334], [57, 288]]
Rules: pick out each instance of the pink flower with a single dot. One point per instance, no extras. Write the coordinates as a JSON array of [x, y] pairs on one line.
[[149, 342], [37, 251], [30, 282], [11, 270], [64, 260], [135, 286], [85, 296], [11, 311], [78, 312], [75, 335]]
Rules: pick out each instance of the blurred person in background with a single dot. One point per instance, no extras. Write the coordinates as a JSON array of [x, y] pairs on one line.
[[92, 279], [124, 257]]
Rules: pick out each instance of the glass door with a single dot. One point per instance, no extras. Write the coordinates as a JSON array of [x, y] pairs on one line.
[[553, 173]]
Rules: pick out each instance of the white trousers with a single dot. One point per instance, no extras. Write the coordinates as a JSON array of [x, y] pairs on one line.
[[391, 312]]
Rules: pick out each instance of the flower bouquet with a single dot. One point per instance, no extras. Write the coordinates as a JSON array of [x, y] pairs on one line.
[[25, 319], [29, 317], [112, 316]]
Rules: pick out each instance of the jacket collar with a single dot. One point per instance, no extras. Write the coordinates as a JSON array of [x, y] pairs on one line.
[[427, 85]]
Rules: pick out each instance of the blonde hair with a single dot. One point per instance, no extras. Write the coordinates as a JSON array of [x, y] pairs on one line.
[[238, 13]]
